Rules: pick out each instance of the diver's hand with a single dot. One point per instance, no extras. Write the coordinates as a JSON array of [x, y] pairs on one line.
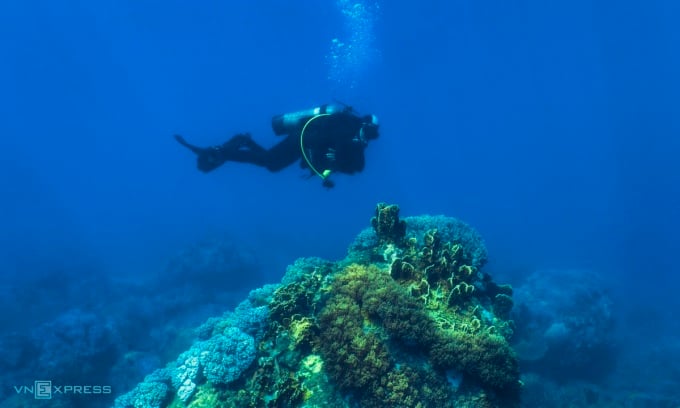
[[328, 183]]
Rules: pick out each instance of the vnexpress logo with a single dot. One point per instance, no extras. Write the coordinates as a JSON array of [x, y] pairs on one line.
[[43, 389], [46, 390]]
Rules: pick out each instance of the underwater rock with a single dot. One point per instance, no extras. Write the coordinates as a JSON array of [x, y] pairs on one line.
[[204, 269], [62, 345], [407, 319], [565, 313]]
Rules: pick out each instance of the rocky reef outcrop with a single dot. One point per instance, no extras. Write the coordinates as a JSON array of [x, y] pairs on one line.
[[408, 318]]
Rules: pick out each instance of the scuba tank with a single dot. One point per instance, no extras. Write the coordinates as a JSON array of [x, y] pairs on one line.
[[289, 122]]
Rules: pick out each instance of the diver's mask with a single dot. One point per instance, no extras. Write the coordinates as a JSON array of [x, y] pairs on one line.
[[369, 128]]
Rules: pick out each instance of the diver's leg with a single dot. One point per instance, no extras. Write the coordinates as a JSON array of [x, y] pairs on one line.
[[243, 141], [207, 158], [242, 148], [195, 149], [283, 154], [278, 157]]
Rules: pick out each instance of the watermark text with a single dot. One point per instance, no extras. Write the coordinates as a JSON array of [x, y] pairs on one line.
[[45, 389]]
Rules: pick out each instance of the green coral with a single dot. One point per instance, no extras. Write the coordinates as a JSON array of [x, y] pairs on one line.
[[411, 387], [355, 358], [428, 299], [302, 330], [206, 397], [363, 326], [468, 311], [485, 357], [272, 383], [401, 316]]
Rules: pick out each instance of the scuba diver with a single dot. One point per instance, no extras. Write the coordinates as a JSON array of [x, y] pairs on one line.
[[330, 138]]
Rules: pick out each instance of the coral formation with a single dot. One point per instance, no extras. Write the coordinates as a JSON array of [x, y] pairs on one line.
[[153, 392], [387, 225], [407, 319], [565, 313]]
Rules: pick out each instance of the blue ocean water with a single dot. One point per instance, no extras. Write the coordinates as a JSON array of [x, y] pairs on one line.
[[552, 128]]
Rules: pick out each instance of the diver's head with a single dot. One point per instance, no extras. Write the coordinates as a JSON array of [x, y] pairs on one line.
[[369, 128]]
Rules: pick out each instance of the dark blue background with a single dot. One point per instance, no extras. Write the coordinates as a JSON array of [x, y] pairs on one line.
[[551, 128]]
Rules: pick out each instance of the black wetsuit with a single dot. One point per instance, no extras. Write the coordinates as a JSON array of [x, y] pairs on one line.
[[330, 142]]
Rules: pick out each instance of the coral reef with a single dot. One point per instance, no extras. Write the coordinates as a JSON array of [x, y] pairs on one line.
[[147, 394], [565, 312], [407, 319], [204, 264], [76, 336]]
